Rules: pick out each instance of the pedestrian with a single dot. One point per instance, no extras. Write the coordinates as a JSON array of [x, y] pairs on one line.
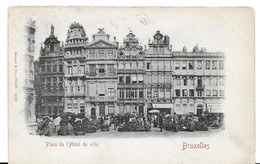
[[160, 120], [175, 122]]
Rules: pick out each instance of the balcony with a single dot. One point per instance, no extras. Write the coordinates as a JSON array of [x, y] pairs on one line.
[[105, 98], [75, 94], [200, 87]]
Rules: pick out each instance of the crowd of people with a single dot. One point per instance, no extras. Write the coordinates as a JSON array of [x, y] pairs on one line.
[[78, 124]]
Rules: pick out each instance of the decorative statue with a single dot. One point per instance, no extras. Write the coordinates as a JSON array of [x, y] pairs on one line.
[[52, 30], [68, 34], [184, 49]]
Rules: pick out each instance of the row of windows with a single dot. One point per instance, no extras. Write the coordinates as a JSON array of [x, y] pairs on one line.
[[189, 65], [52, 87], [159, 65], [128, 79], [51, 68], [52, 79], [131, 93], [129, 65], [207, 81], [190, 93], [51, 100]]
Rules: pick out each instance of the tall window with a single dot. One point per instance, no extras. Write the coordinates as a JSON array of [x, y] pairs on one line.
[[155, 93], [92, 70], [191, 65], [141, 93], [207, 64], [177, 65], [54, 68], [184, 92], [121, 79], [149, 93], [140, 78], [199, 65], [82, 69], [215, 93], [60, 68], [101, 70], [121, 93], [110, 69], [134, 79], [191, 92], [134, 93], [185, 81], [214, 64], [221, 93], [177, 93], [52, 47], [43, 68], [184, 65], [148, 65], [127, 80], [128, 94], [48, 68], [221, 64], [208, 93], [199, 93], [69, 70]]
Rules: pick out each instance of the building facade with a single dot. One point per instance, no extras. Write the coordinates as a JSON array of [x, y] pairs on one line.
[[158, 74], [51, 76], [74, 69], [101, 75], [30, 113], [130, 72], [198, 81]]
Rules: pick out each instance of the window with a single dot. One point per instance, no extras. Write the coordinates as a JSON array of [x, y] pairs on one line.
[[134, 93], [168, 93], [191, 82], [141, 93], [127, 65], [101, 70], [110, 70], [110, 51], [82, 69], [91, 51], [60, 87], [69, 70], [128, 93], [161, 93], [177, 65], [121, 79], [155, 93], [178, 82], [75, 69], [167, 79], [185, 81], [191, 65], [214, 64], [221, 65], [199, 93], [48, 68], [221, 82], [184, 92], [121, 93], [214, 93], [60, 68], [149, 93], [134, 65], [199, 64], [214, 81], [208, 94], [127, 80], [191, 92], [54, 79], [148, 79], [161, 78], [140, 78], [92, 70], [177, 93], [148, 65], [207, 64], [221, 93], [167, 66], [184, 65], [134, 79], [82, 109], [101, 51], [54, 68], [161, 65], [121, 65], [154, 79], [43, 68], [110, 92]]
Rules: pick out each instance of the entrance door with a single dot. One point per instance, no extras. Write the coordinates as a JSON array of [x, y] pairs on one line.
[[93, 113], [102, 109], [199, 110]]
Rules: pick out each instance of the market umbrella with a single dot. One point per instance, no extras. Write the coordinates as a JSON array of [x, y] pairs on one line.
[[154, 111]]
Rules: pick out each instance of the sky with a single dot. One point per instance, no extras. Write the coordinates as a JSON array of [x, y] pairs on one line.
[[207, 27]]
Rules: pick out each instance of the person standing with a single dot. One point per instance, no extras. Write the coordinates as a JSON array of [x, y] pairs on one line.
[[160, 120], [175, 122]]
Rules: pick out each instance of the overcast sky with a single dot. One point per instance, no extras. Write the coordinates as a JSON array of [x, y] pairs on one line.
[[209, 27]]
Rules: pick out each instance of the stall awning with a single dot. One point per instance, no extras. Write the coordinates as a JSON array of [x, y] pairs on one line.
[[162, 105], [215, 108]]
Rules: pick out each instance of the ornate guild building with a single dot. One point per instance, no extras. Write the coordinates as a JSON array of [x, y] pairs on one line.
[[51, 76], [158, 80], [101, 76], [130, 71]]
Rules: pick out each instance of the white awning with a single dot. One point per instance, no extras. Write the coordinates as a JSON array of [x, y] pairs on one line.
[[162, 105]]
